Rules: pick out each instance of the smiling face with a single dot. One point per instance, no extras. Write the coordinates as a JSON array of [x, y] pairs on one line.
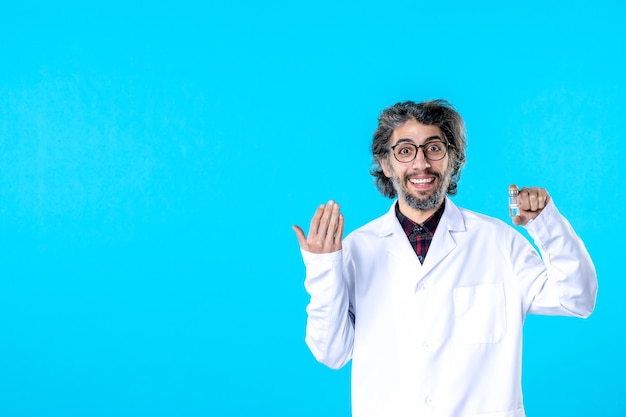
[[421, 184]]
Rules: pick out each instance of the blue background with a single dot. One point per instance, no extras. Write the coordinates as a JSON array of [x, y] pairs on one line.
[[154, 156]]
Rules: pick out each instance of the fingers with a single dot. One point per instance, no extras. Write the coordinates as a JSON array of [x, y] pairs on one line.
[[332, 232], [315, 221], [531, 200], [328, 221], [339, 233]]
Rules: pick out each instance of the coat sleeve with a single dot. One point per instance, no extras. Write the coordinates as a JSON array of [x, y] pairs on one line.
[[330, 321], [568, 283]]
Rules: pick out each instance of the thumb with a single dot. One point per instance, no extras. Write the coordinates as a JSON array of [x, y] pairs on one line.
[[299, 235]]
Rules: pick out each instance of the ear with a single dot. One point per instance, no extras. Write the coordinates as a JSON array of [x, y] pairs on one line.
[[452, 158], [385, 166]]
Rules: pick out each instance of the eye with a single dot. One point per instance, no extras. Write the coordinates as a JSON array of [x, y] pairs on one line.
[[405, 150], [434, 147]]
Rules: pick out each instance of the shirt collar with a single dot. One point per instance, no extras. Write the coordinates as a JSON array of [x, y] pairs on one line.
[[429, 226]]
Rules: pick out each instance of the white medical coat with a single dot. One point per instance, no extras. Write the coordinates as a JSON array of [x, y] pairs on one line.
[[442, 339]]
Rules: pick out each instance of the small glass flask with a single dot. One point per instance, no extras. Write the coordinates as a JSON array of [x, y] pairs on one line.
[[513, 203]]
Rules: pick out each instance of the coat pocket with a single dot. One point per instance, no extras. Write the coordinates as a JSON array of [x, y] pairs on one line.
[[480, 314]]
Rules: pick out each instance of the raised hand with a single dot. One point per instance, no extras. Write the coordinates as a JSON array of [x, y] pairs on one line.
[[326, 230]]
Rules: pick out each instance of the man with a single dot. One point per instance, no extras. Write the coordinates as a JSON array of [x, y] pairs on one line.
[[429, 300]]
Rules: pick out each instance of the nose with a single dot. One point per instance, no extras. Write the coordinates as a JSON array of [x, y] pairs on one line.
[[420, 162]]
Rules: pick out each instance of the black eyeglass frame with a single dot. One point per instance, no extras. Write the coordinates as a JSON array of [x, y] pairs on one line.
[[417, 150]]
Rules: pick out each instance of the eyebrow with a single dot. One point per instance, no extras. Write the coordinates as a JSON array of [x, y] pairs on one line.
[[428, 139]]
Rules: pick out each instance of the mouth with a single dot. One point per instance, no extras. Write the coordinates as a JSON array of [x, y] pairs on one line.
[[421, 181]]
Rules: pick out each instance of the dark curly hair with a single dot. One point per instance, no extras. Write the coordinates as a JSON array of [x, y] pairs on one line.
[[433, 112]]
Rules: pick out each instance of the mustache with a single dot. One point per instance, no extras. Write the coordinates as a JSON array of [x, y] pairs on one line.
[[424, 172]]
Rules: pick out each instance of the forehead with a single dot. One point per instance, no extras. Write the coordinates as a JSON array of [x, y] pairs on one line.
[[416, 132]]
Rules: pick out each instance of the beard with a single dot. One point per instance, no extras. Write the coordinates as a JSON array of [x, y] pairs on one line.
[[423, 201]]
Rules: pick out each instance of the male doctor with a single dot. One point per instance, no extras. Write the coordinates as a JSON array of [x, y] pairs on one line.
[[429, 300]]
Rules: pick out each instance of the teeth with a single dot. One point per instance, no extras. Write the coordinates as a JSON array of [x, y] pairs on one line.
[[421, 180]]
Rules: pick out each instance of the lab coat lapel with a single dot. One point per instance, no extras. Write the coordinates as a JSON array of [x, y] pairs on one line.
[[443, 242], [398, 247]]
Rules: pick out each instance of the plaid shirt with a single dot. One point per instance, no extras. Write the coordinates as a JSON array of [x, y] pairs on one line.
[[420, 235]]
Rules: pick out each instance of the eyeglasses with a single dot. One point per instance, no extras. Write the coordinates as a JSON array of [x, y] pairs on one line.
[[407, 152]]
